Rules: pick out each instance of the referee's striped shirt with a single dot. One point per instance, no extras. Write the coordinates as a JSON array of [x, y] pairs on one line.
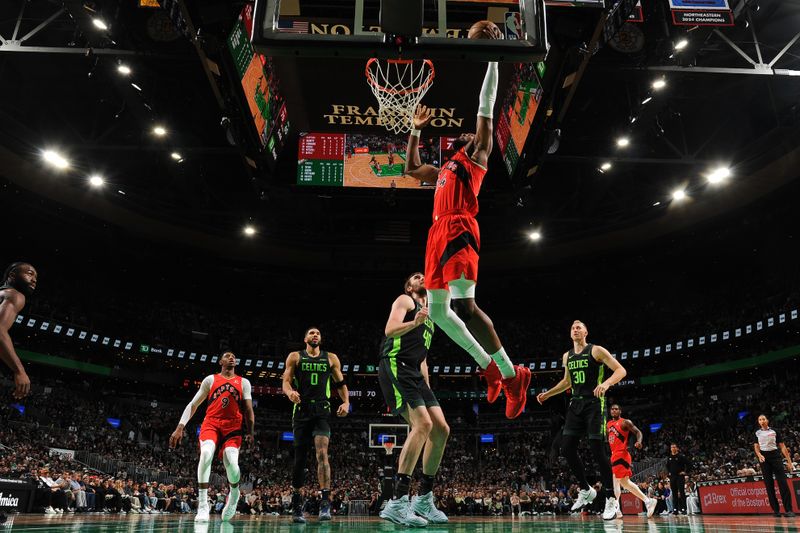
[[768, 439]]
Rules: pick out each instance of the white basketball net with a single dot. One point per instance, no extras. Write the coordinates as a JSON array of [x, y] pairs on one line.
[[399, 86]]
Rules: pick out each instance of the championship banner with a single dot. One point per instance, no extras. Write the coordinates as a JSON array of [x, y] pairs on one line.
[[63, 453], [745, 497], [701, 13]]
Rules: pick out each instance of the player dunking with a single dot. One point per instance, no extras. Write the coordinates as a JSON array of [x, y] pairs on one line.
[[619, 430], [221, 430], [451, 258], [307, 383], [403, 376], [584, 370], [19, 282]]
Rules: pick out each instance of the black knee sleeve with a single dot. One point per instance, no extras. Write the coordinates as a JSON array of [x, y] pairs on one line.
[[299, 469], [463, 310]]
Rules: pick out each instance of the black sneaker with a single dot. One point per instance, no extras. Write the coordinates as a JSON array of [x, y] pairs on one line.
[[297, 517], [777, 514], [790, 514]]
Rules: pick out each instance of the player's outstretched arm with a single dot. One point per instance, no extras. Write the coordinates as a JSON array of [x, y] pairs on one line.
[[249, 415], [601, 355], [484, 128], [559, 387], [414, 167], [288, 377], [9, 309], [395, 327], [191, 408], [339, 385], [629, 426]]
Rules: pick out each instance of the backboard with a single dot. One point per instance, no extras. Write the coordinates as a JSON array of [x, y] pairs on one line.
[[352, 29], [380, 433]]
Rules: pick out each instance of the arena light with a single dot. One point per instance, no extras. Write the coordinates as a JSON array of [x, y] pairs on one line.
[[96, 181], [623, 142], [606, 166], [647, 100], [176, 156], [718, 175], [136, 87], [535, 236], [54, 158], [123, 69], [659, 84], [160, 131], [249, 230], [681, 44], [634, 119], [99, 24], [678, 195]]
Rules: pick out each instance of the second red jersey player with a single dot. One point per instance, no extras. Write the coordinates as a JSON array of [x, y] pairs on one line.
[[618, 433]]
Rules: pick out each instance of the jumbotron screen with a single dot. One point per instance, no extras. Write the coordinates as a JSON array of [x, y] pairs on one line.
[[363, 159], [520, 105]]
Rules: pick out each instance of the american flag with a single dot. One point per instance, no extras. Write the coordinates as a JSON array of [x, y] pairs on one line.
[[293, 26]]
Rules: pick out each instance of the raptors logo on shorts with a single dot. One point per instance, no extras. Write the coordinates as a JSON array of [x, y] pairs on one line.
[[454, 238]]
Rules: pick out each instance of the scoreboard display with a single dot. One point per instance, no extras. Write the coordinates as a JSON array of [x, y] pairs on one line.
[[363, 159], [519, 109], [266, 106]]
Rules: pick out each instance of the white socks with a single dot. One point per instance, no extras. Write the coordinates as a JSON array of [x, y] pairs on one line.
[[454, 327], [202, 497], [504, 363]]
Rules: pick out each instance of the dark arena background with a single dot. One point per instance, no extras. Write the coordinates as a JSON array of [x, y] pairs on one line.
[[196, 177]]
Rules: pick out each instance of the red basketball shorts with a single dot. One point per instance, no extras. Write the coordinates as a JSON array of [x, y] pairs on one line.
[[452, 250], [224, 433], [621, 465]]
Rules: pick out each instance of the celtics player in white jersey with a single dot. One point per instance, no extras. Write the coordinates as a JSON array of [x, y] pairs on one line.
[[403, 376], [584, 373]]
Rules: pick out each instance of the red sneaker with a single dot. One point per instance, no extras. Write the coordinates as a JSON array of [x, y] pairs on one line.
[[517, 391], [494, 382]]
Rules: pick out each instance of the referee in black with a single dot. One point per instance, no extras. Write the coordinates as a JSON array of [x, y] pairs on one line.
[[677, 466], [766, 447]]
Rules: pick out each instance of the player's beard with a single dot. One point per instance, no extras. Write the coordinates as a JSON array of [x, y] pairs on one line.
[[422, 292], [459, 143], [313, 344], [22, 287]]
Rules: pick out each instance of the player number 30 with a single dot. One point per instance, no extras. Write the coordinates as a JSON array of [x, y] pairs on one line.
[[579, 377]]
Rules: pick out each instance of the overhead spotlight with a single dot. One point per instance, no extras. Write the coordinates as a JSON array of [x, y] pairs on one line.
[[647, 100], [659, 84], [719, 175], [681, 44], [656, 204], [96, 181], [176, 156], [55, 159], [605, 166], [622, 142], [99, 24], [634, 119], [678, 194], [535, 235], [123, 69], [136, 87], [160, 131], [249, 230]]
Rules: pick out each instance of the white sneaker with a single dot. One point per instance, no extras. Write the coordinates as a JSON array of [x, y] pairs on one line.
[[650, 505], [399, 512], [612, 507], [425, 507], [50, 510], [59, 510], [202, 514], [619, 513], [585, 497]]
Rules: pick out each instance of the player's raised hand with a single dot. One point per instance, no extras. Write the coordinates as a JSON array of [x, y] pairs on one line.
[[176, 437], [421, 316], [422, 117], [343, 409], [294, 396]]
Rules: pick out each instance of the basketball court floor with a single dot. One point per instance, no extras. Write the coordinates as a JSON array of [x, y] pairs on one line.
[[185, 524]]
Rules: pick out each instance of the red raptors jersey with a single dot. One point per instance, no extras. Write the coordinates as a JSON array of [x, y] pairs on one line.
[[617, 437], [458, 186], [224, 398]]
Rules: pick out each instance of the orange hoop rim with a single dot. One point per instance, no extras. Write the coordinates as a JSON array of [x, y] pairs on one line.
[[388, 90]]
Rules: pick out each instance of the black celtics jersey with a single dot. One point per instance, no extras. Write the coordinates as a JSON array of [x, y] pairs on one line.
[[312, 377], [585, 373], [412, 347]]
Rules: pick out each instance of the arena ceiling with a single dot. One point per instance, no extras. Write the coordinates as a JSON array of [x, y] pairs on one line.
[[62, 88]]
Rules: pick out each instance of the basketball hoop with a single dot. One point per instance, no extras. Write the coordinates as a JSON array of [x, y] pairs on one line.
[[399, 86], [388, 445]]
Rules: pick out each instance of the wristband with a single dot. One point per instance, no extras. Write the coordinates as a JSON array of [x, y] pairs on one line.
[[415, 132]]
